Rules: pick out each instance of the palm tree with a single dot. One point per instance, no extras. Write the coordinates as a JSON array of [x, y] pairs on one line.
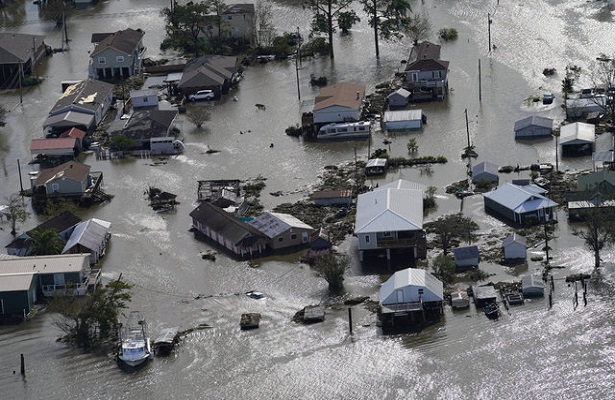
[[45, 242]]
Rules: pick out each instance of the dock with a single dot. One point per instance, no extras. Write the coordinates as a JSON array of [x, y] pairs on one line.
[[166, 340]]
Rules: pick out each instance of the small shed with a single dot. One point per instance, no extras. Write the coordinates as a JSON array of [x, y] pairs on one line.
[[534, 127], [485, 171], [376, 166], [466, 257], [532, 286], [320, 239], [399, 98], [577, 139], [17, 294], [484, 295], [144, 98], [332, 197], [402, 120], [515, 247]]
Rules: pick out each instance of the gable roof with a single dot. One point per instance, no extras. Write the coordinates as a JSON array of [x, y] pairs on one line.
[[520, 199], [59, 223], [69, 118], [73, 133], [91, 234], [485, 167], [88, 94], [428, 51], [66, 143], [387, 210], [466, 253], [146, 124], [125, 41], [534, 120], [514, 238], [16, 48], [577, 133], [226, 225], [402, 184], [428, 65], [272, 224], [341, 94], [72, 169], [44, 264], [411, 277], [208, 70], [400, 92], [16, 282]]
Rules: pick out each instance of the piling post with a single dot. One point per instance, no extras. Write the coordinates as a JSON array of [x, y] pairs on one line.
[[480, 93], [552, 284], [23, 365], [350, 320], [550, 300]]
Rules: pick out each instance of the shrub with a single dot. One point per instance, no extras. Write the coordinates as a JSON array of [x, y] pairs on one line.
[[447, 34]]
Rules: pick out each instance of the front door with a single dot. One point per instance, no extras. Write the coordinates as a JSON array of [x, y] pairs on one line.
[[400, 296]]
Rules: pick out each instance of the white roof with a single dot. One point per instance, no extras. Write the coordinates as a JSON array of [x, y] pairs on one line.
[[16, 282], [374, 162], [386, 210], [433, 288], [44, 264], [402, 92], [143, 92], [402, 184], [272, 224], [520, 199], [90, 234], [402, 115], [577, 133]]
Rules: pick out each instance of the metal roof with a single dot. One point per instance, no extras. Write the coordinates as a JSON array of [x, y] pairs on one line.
[[91, 234], [386, 210], [51, 144], [16, 282], [45, 264], [514, 238], [433, 288], [520, 199], [577, 133], [272, 224], [534, 120], [465, 253], [401, 92], [403, 115], [16, 48], [69, 118], [402, 184]]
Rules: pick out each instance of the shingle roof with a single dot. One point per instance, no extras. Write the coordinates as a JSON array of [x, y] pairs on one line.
[[428, 51], [485, 167], [17, 47], [466, 253], [387, 210], [520, 199], [514, 238], [247, 8], [59, 223], [341, 94], [73, 170], [125, 41], [209, 70], [146, 124], [428, 65], [73, 133], [88, 94]]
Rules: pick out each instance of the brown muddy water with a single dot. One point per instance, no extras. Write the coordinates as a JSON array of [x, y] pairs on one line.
[[531, 352]]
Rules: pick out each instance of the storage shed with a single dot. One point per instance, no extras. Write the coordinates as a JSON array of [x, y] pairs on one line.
[[534, 127], [376, 166], [399, 98], [402, 120], [485, 171], [515, 247], [466, 257], [484, 295], [577, 139], [532, 286]]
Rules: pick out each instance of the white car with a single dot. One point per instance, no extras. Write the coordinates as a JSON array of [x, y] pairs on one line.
[[202, 95]]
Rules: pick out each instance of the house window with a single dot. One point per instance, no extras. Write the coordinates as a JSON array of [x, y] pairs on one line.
[[119, 59], [436, 74], [102, 60], [145, 99], [280, 239], [366, 238], [293, 236], [230, 17], [387, 234]]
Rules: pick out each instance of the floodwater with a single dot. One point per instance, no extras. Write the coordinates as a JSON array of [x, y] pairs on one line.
[[531, 351]]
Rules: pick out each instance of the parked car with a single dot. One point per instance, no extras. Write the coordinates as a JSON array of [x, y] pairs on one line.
[[202, 95], [547, 98]]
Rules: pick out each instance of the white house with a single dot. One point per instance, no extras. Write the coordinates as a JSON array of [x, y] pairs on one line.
[[515, 247], [144, 98], [338, 103], [410, 286]]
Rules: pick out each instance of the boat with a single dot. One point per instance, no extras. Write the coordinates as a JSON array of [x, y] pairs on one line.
[[165, 341], [492, 311], [460, 299], [345, 131], [135, 347], [460, 194]]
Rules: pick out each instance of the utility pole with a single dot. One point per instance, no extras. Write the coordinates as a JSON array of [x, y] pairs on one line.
[[489, 29], [480, 94], [468, 129], [297, 57]]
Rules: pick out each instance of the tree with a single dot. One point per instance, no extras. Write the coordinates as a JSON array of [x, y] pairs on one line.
[[16, 212], [185, 25], [346, 20], [603, 75], [388, 18], [418, 28], [56, 206], [325, 13], [121, 142], [444, 268], [266, 28], [46, 242], [598, 232], [91, 320], [452, 227], [332, 267], [412, 146], [198, 116], [218, 8]]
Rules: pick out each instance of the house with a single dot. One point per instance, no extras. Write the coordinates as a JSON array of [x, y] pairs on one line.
[[523, 205], [19, 55], [582, 107], [91, 237], [485, 172], [282, 230], [117, 55], [76, 134], [59, 274], [63, 223], [390, 219], [320, 239], [515, 247], [532, 286], [209, 72], [339, 103], [399, 98], [602, 179], [153, 130], [82, 105], [466, 257], [239, 23], [427, 77], [69, 179], [402, 120], [61, 149], [144, 98], [534, 127], [229, 232], [577, 139], [332, 197], [18, 293], [376, 166], [410, 294]]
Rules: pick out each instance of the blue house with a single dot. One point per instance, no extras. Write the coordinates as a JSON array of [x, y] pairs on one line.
[[522, 205], [466, 257]]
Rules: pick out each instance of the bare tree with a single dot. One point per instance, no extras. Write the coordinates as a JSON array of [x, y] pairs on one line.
[[598, 232], [418, 28], [198, 116]]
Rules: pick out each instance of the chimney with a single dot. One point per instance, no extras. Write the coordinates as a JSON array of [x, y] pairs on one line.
[[358, 95]]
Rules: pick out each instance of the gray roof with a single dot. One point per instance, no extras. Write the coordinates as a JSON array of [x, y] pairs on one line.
[[125, 41], [272, 224], [402, 184], [514, 238], [376, 162], [147, 124], [246, 8], [411, 277], [88, 94], [16, 282], [466, 253], [387, 210], [69, 119], [577, 133], [428, 51], [16, 48], [532, 281], [209, 70], [484, 292], [91, 234], [520, 199], [226, 225], [534, 120], [45, 264], [143, 93], [401, 92], [485, 167]]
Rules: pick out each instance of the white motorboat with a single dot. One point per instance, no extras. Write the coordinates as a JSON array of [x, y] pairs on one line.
[[345, 131], [135, 346]]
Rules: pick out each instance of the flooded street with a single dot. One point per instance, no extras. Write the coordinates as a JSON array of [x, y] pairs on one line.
[[531, 352]]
